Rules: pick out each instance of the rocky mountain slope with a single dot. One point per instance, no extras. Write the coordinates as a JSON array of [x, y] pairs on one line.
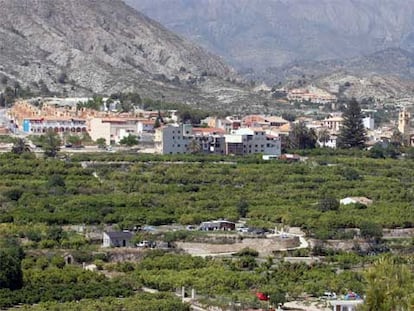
[[104, 46], [272, 33], [390, 62], [387, 89], [386, 75]]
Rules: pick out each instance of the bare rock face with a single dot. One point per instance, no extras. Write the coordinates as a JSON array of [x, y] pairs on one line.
[[100, 46], [272, 33]]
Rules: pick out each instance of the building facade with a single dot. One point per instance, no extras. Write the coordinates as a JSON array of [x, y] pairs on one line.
[[58, 125], [173, 139], [113, 129], [179, 139]]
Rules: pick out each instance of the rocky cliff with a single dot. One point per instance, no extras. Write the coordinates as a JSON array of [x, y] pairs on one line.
[[104, 46]]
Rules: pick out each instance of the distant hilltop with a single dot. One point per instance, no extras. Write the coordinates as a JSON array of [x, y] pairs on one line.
[[85, 47]]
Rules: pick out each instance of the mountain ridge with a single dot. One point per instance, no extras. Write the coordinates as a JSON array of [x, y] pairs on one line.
[[90, 46], [274, 33]]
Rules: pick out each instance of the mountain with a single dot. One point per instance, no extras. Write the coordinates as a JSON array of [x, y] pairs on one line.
[[273, 33], [390, 62], [104, 46]]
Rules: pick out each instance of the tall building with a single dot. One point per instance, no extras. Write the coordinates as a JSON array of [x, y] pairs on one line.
[[404, 118], [173, 138]]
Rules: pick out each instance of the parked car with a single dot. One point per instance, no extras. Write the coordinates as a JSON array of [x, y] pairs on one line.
[[146, 244], [329, 295], [243, 230]]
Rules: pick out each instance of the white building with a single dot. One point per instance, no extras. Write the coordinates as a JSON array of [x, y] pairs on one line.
[[113, 129], [117, 239], [333, 124], [346, 305], [332, 142], [173, 138], [354, 200], [252, 141], [62, 125], [145, 126], [369, 123]]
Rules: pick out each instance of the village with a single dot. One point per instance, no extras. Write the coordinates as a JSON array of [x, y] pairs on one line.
[[164, 132]]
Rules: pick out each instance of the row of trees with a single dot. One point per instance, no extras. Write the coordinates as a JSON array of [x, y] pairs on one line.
[[51, 143]]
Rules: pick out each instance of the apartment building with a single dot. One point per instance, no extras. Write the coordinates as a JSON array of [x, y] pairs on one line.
[[173, 139], [252, 141]]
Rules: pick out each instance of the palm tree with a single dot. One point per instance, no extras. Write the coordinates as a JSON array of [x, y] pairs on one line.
[[301, 137], [20, 146], [324, 136]]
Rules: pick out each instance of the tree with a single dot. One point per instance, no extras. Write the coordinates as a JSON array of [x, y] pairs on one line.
[[328, 204], [389, 286], [381, 151], [56, 184], [157, 123], [277, 296], [20, 146], [101, 142], [397, 138], [11, 256], [129, 141], [376, 151], [51, 143], [371, 230], [74, 140], [301, 137], [242, 208], [352, 133], [324, 136], [2, 100], [288, 116], [9, 96]]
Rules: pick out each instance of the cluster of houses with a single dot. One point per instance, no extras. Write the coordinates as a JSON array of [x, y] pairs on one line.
[[311, 94], [232, 135]]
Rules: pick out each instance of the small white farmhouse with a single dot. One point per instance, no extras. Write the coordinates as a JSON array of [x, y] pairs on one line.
[[117, 239]]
